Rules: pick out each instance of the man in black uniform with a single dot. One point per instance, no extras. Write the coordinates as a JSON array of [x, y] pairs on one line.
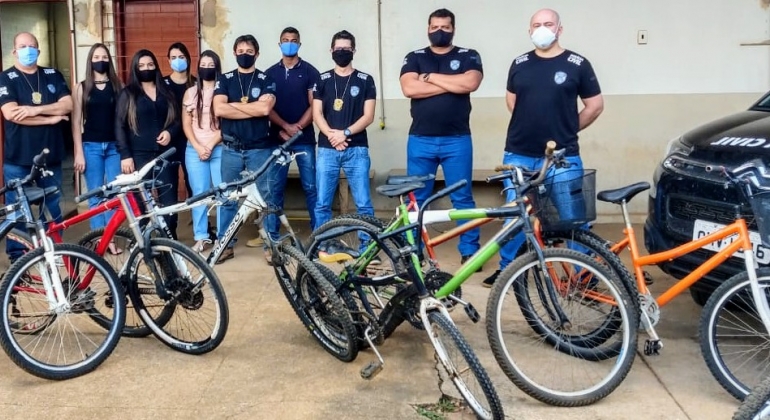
[[243, 99], [542, 91], [439, 79], [343, 106], [33, 100]]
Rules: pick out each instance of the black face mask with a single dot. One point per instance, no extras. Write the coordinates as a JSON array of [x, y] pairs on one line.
[[207, 74], [342, 57], [146, 75], [245, 61], [441, 38], [100, 67]]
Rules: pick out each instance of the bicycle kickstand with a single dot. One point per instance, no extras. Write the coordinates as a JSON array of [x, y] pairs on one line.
[[374, 367]]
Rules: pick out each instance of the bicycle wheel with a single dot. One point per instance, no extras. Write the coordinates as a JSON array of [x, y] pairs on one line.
[[124, 240], [186, 284], [756, 405], [317, 304], [466, 372], [733, 339], [521, 332], [51, 352]]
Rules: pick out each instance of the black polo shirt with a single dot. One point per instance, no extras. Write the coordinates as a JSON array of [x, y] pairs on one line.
[[252, 133], [291, 99], [23, 142], [446, 114], [546, 106], [353, 90]]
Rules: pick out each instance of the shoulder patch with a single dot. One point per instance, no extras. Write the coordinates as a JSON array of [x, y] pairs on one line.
[[462, 50], [261, 76], [168, 82], [362, 75], [49, 71], [575, 59], [522, 58], [3, 91], [420, 51], [325, 76], [230, 74], [12, 75]]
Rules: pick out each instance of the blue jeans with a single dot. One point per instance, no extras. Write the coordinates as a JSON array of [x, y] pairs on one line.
[[455, 155], [306, 166], [554, 175], [202, 175], [102, 166], [233, 162], [355, 163], [11, 171]]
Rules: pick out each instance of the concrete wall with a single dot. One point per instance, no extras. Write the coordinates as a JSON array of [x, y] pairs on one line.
[[695, 66], [17, 17]]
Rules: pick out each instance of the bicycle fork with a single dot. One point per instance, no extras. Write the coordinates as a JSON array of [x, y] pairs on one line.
[[54, 290]]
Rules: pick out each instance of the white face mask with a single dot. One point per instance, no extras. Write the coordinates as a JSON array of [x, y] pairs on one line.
[[543, 37]]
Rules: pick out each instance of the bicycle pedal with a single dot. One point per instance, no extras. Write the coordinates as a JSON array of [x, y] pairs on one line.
[[371, 369], [648, 280], [473, 314], [652, 347]]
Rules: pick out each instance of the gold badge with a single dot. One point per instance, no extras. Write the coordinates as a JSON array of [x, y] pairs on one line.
[[244, 99], [37, 98], [338, 104]]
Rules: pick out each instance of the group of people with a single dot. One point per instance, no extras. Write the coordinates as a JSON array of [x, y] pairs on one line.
[[224, 122]]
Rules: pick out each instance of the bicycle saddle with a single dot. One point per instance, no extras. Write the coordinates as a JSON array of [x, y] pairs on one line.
[[35, 195], [398, 190], [334, 251], [408, 179], [626, 193]]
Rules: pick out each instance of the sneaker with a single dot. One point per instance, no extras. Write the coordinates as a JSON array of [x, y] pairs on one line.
[[489, 281], [227, 254], [269, 256], [465, 258], [201, 245], [255, 243], [376, 260]]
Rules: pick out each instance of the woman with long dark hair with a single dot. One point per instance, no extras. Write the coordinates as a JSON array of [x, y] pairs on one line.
[[204, 150], [146, 121], [180, 79], [93, 127]]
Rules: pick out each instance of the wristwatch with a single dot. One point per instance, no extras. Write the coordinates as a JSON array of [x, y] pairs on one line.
[[347, 132]]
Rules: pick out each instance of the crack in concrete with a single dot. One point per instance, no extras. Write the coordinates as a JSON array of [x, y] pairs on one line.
[[662, 384]]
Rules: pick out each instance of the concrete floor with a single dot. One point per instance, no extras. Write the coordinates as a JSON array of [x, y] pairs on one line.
[[269, 366]]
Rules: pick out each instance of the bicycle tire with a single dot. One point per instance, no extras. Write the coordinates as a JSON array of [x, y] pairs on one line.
[[494, 408], [738, 387], [184, 302], [344, 344], [94, 358], [359, 320], [134, 326], [756, 405], [585, 396]]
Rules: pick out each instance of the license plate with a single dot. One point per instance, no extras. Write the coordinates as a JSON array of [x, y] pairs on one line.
[[703, 228]]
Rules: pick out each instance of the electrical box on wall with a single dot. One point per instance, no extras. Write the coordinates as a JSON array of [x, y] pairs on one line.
[[641, 37]]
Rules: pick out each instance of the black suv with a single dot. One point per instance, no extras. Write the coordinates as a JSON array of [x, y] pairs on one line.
[[687, 201]]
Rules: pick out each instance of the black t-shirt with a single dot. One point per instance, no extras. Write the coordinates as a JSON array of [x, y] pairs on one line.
[[23, 142], [291, 99], [99, 115], [353, 90], [252, 133], [546, 106], [447, 114]]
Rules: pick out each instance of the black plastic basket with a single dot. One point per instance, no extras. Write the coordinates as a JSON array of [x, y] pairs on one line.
[[760, 206], [565, 201]]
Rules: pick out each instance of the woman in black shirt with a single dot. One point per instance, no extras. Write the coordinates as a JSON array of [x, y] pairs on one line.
[[93, 127], [146, 121], [178, 82]]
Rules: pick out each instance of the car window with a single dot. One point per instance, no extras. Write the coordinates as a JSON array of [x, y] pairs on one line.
[[763, 104]]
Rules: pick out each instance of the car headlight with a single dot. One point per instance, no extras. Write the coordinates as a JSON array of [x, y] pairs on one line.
[[677, 145]]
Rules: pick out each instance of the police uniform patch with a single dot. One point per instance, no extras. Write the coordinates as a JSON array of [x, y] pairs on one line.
[[52, 88], [255, 92], [454, 64], [560, 77], [354, 91]]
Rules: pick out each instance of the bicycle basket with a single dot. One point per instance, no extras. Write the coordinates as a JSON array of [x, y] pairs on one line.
[[760, 206], [566, 200]]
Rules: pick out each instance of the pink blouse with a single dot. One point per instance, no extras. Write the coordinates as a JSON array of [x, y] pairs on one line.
[[207, 134]]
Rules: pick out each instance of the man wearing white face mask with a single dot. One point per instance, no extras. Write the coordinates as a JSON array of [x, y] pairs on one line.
[[33, 100], [542, 91]]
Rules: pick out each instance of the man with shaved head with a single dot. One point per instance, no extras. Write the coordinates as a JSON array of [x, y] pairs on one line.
[[34, 101], [542, 94]]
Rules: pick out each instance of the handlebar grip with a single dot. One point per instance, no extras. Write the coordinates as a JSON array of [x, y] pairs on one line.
[[86, 196], [291, 140], [167, 153], [450, 189], [39, 160], [501, 168], [201, 196], [499, 177], [549, 148]]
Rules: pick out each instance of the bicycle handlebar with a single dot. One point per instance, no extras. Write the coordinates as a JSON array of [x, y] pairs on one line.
[[550, 155], [38, 167]]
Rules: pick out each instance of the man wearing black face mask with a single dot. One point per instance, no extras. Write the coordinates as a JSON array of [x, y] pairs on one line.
[[343, 106], [439, 80], [243, 100]]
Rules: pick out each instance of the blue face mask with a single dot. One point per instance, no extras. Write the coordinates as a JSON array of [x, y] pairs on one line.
[[27, 55], [289, 49], [179, 64]]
